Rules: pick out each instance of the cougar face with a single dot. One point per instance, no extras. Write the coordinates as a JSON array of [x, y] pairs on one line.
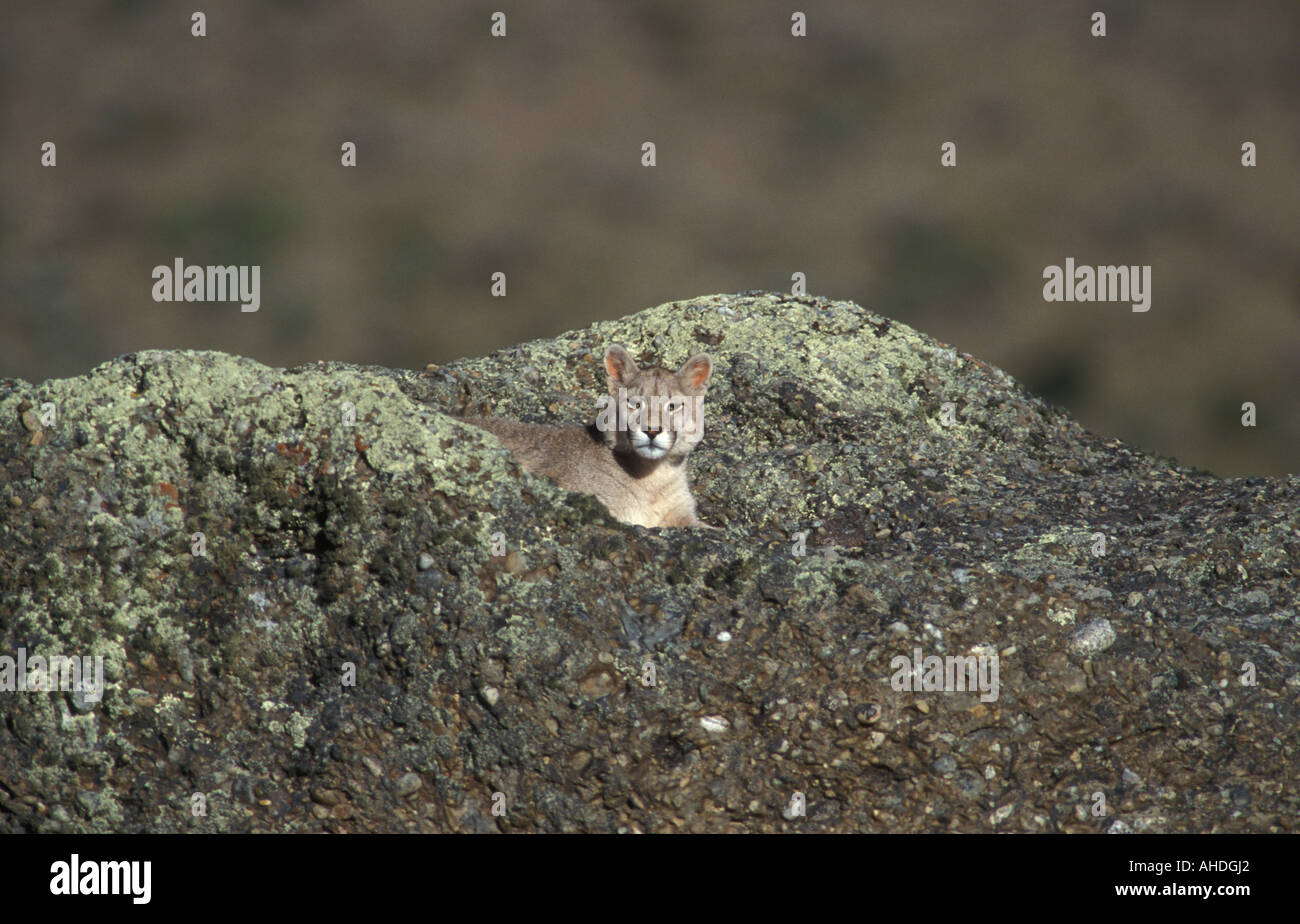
[[655, 412]]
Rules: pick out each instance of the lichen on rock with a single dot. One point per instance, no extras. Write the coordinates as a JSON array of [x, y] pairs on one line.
[[323, 604]]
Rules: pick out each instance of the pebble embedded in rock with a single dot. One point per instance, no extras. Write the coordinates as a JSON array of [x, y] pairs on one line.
[[1073, 680], [970, 783], [84, 701], [408, 784], [1091, 639], [867, 713]]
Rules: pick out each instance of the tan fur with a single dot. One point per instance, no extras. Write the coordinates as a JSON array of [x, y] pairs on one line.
[[618, 466]]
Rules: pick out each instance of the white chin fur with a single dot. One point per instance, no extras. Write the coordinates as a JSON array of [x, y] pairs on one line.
[[654, 449]]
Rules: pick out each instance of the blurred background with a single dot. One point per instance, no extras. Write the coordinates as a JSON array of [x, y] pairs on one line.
[[775, 155]]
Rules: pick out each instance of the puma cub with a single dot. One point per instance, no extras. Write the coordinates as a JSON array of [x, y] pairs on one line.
[[633, 457]]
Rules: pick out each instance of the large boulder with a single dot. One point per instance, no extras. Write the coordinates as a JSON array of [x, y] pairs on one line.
[[322, 604]]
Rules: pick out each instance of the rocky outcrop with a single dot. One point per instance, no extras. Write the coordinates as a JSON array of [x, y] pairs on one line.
[[322, 604]]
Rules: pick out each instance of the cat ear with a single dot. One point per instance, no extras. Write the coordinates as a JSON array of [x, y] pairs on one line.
[[618, 363], [696, 371]]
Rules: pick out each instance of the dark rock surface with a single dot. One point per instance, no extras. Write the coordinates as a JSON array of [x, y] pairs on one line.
[[1144, 615]]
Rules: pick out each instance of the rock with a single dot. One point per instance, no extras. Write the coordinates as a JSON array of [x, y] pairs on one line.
[[326, 796], [1092, 639], [247, 561], [407, 785], [714, 724], [945, 765]]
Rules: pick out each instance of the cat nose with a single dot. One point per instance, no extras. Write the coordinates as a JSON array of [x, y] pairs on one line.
[[652, 432]]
